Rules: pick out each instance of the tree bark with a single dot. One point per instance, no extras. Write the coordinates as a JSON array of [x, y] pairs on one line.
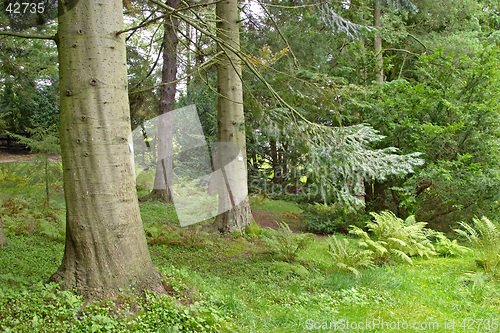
[[234, 208], [274, 161], [3, 239], [162, 188], [106, 248], [379, 62]]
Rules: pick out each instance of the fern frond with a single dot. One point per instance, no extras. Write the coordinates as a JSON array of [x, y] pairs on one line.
[[394, 237], [402, 256], [485, 238], [347, 259]]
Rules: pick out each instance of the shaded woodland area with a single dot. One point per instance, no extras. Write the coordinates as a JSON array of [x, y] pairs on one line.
[[201, 166]]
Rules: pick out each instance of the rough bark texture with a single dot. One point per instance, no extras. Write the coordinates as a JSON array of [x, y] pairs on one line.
[[3, 240], [163, 187], [379, 66], [106, 246], [231, 126]]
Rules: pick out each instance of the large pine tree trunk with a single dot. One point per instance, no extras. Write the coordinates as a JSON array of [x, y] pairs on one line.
[[379, 61], [106, 246], [164, 169], [234, 208], [3, 240]]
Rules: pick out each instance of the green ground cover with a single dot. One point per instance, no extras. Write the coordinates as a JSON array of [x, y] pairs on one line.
[[232, 283]]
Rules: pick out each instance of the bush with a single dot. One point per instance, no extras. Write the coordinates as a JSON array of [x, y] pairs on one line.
[[484, 236], [394, 238], [319, 218]]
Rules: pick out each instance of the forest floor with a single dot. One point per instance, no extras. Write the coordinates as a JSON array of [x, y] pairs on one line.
[[21, 156], [233, 283]]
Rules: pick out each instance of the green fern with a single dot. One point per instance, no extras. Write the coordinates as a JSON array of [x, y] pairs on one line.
[[394, 238], [484, 236], [347, 259], [445, 247], [286, 243]]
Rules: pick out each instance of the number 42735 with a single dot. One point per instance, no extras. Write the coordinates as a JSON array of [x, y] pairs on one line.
[[25, 7]]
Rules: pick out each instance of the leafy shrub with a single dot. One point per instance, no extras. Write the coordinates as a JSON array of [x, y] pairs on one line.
[[484, 235], [394, 238], [345, 258], [287, 244], [446, 247], [320, 218]]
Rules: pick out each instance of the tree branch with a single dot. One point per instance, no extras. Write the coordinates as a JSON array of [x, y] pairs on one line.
[[21, 35], [401, 50], [171, 11], [418, 40]]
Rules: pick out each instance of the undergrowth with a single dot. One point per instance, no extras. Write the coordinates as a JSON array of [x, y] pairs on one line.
[[269, 281]]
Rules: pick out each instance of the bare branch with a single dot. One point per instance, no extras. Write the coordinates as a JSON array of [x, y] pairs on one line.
[[401, 50], [28, 36], [418, 40], [171, 11]]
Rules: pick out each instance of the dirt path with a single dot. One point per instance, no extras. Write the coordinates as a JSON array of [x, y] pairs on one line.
[[6, 157], [270, 220], [14, 157]]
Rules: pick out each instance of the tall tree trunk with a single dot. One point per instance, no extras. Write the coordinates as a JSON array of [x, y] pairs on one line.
[[3, 239], [164, 168], [106, 248], [234, 208], [188, 54], [379, 62]]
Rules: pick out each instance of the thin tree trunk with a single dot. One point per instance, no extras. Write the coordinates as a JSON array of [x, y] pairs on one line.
[[106, 248], [47, 190], [274, 161], [379, 62], [3, 239], [234, 208], [188, 54], [164, 169], [284, 161]]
